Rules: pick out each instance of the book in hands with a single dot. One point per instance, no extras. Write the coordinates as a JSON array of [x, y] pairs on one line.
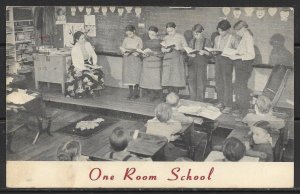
[[126, 50], [212, 50], [167, 46], [190, 51], [231, 54], [93, 66], [146, 51]]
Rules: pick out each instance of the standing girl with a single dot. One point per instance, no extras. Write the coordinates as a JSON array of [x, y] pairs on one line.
[[224, 67], [197, 66], [131, 62], [243, 66], [173, 70], [151, 71]]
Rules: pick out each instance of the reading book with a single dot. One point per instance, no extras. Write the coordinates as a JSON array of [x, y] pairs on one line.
[[126, 50], [230, 53], [146, 51], [190, 50], [211, 49], [93, 66], [167, 46]]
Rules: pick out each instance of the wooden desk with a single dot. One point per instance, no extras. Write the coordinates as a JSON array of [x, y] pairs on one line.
[[146, 145], [51, 68], [217, 156], [16, 116]]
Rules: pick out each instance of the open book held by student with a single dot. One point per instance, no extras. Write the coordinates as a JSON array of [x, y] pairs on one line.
[[190, 51], [167, 46], [126, 50], [230, 53], [213, 51], [146, 51]]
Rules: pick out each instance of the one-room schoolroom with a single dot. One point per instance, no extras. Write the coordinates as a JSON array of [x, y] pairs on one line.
[[141, 83]]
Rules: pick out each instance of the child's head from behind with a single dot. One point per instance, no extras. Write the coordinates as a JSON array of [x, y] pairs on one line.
[[172, 99], [261, 132], [263, 105], [233, 149], [69, 151], [163, 112], [118, 139]]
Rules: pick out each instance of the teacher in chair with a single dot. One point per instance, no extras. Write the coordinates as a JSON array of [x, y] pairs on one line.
[[84, 76]]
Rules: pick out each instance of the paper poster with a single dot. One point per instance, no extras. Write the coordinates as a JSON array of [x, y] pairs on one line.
[[89, 20], [69, 30], [90, 30], [60, 15]]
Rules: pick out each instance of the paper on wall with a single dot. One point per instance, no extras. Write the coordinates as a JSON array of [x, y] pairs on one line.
[[89, 20], [69, 30]]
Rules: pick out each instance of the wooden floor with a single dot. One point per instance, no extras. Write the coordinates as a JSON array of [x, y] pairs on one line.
[[46, 146], [115, 99]]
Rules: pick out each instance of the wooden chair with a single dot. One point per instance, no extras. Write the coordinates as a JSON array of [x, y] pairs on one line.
[[275, 84]]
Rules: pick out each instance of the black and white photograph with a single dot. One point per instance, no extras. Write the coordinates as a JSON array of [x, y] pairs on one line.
[[192, 85]]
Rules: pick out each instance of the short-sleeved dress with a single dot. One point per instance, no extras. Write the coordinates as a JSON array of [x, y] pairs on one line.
[[173, 69], [132, 65], [151, 70]]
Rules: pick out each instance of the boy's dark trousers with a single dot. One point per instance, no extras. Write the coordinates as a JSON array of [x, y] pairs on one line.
[[197, 71], [223, 76], [243, 70]]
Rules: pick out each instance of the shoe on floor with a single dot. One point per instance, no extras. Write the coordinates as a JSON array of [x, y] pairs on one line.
[[227, 110]]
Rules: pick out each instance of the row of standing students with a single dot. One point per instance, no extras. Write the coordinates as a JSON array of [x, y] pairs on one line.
[[165, 67]]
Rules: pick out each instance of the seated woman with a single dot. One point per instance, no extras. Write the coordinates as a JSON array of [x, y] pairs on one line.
[[70, 151], [84, 76], [119, 141]]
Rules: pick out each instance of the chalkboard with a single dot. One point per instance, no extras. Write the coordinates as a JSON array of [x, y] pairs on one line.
[[110, 31]]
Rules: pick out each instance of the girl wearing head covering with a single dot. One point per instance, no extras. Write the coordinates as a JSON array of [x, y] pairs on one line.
[[151, 70], [84, 76], [224, 67], [173, 70], [132, 63], [197, 65], [243, 66]]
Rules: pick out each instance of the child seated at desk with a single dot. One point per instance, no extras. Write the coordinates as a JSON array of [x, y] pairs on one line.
[[119, 140], [70, 151], [261, 139], [163, 123], [173, 100], [233, 150], [263, 111]]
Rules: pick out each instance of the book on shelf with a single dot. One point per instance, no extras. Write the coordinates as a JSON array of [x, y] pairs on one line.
[[167, 46]]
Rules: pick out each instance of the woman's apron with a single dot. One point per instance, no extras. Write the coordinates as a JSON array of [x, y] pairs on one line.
[[173, 69], [132, 66], [151, 73]]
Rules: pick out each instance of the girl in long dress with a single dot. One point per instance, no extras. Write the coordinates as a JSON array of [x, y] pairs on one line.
[[152, 61], [173, 68], [132, 63]]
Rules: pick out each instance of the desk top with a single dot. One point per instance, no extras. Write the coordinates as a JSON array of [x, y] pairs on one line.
[[146, 145], [217, 156]]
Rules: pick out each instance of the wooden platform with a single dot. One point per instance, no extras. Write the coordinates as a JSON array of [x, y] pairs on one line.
[[114, 99]]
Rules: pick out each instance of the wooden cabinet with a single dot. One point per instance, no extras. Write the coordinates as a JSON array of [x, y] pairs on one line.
[[51, 69]]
